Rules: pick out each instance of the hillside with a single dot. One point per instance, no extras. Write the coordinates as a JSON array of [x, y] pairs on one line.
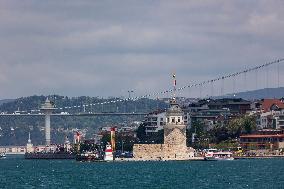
[[6, 101], [14, 130], [259, 94]]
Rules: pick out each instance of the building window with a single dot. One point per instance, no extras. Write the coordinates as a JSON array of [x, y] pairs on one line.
[[161, 119], [173, 120], [178, 119]]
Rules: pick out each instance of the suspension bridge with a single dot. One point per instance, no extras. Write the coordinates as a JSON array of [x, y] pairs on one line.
[[238, 81], [260, 74]]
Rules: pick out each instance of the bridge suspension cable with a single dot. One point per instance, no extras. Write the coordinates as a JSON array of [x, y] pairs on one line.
[[211, 82]]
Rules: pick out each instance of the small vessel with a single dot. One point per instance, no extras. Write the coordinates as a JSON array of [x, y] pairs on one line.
[[2, 155], [108, 153], [50, 155], [215, 155], [89, 156]]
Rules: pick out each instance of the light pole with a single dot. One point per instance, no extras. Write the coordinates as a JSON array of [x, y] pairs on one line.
[[129, 96], [129, 93]]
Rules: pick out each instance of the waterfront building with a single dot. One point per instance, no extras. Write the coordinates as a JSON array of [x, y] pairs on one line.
[[13, 149], [263, 139]]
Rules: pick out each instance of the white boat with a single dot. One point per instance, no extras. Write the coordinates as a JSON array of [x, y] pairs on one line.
[[108, 153], [2, 155], [215, 155]]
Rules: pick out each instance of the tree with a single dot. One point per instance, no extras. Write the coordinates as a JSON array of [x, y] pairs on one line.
[[141, 132], [249, 125]]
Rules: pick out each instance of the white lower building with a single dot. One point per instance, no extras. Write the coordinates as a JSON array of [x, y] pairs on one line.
[[271, 119], [155, 122]]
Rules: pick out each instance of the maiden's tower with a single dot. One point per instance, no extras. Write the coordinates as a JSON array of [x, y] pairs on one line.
[[174, 147]]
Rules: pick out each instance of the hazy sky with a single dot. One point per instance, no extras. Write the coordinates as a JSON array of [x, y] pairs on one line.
[[105, 48]]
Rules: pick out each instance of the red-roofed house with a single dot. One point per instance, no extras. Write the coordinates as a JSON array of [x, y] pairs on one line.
[[271, 114], [268, 105]]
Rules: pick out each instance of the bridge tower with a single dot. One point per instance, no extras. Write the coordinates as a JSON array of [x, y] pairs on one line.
[[47, 108]]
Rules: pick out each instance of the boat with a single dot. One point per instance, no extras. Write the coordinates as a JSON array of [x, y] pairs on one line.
[[2, 155], [89, 156], [108, 153], [50, 155], [215, 155]]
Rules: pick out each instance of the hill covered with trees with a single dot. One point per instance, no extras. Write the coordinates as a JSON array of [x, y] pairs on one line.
[[14, 129]]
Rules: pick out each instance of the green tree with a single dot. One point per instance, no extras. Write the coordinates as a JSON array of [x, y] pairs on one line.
[[141, 132]]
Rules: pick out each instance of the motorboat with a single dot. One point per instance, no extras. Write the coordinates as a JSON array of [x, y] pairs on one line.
[[215, 155], [2, 155]]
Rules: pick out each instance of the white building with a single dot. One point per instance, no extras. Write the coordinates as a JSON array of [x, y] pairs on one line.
[[271, 119], [279, 121], [13, 149], [155, 122]]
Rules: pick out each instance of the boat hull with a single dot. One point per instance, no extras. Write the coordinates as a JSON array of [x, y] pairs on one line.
[[218, 159], [83, 157], [49, 156]]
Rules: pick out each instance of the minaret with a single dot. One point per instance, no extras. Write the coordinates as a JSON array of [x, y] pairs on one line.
[[30, 145], [29, 140], [47, 108], [67, 145]]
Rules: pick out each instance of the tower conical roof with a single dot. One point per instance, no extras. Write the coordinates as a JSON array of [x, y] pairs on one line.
[[174, 109]]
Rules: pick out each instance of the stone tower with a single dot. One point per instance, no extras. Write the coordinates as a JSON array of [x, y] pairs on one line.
[[174, 147], [175, 129]]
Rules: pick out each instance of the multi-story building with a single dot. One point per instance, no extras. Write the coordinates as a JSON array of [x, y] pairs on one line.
[[235, 105], [210, 112], [279, 120], [270, 114], [155, 122]]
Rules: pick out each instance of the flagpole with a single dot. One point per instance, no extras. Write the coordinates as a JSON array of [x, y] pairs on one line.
[[175, 83]]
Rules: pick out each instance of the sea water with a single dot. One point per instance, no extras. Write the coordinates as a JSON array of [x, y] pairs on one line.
[[16, 172]]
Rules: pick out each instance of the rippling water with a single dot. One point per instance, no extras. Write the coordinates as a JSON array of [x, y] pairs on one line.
[[16, 172]]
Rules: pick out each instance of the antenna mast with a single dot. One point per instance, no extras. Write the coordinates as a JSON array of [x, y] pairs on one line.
[[175, 84]]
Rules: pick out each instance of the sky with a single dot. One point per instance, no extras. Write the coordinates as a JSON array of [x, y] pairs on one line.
[[107, 48]]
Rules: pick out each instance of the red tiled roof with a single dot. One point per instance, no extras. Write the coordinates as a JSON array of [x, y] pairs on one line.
[[263, 136], [267, 103]]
